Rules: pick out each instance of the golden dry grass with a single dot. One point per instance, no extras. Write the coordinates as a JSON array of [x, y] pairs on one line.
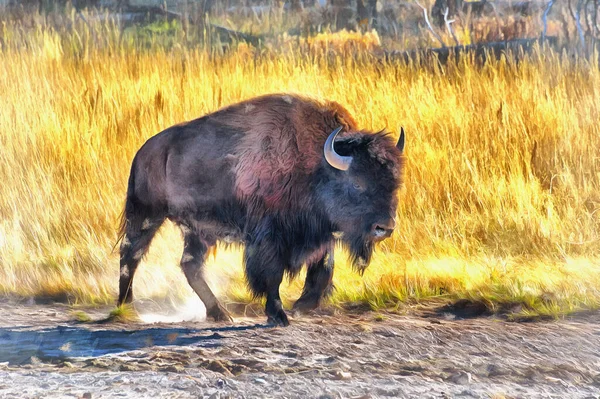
[[502, 182]]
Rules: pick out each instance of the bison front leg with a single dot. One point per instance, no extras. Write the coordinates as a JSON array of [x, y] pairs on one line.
[[264, 270], [192, 262], [317, 284]]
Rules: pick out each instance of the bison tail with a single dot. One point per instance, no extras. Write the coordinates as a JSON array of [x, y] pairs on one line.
[[127, 210], [121, 229]]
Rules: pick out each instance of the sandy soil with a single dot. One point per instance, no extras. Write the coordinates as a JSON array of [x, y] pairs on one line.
[[45, 353]]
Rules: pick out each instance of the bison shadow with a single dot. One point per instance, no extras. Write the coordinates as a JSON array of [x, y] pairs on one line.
[[22, 345]]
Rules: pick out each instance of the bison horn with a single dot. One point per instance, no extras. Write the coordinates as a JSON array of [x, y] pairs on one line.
[[400, 143], [333, 158]]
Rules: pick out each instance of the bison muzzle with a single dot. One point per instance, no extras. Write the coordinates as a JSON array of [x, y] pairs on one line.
[[285, 176]]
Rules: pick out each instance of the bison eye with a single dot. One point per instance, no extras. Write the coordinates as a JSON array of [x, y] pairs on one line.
[[357, 186]]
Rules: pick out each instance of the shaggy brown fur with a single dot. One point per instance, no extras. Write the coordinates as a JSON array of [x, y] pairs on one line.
[[275, 159]]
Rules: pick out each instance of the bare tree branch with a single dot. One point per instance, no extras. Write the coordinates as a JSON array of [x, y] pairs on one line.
[[590, 30], [449, 27], [469, 21], [438, 37], [578, 23], [591, 17], [545, 18], [571, 10], [595, 18], [496, 17]]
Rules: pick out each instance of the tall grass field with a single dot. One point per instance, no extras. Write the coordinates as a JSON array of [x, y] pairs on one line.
[[501, 202]]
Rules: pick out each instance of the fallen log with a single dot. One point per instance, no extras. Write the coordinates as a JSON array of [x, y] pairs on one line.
[[481, 51], [229, 35], [140, 14]]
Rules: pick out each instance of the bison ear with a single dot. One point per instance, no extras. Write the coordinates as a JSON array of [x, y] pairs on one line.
[[400, 143]]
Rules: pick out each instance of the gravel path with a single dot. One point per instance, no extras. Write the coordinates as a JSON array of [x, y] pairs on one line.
[[44, 353]]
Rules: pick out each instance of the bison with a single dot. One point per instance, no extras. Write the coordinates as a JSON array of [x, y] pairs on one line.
[[284, 175]]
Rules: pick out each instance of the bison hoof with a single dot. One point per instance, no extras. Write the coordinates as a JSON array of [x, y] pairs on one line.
[[218, 313], [278, 319], [306, 304]]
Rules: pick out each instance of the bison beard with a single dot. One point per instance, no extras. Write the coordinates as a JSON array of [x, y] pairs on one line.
[[361, 250], [272, 174]]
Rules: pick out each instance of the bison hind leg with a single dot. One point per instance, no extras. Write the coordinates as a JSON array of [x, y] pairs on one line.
[[140, 227], [194, 256]]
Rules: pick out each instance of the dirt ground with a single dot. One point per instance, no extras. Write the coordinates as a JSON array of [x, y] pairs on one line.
[[45, 353]]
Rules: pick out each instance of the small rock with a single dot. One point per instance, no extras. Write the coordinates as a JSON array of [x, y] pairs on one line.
[[261, 381], [219, 367], [183, 385], [174, 368], [128, 367], [460, 378], [366, 328], [494, 370], [87, 395], [220, 383], [342, 375], [448, 316]]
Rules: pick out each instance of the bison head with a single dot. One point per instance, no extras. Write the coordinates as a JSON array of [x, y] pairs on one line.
[[360, 176]]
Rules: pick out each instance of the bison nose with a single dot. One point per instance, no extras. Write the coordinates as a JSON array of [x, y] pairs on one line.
[[383, 229]]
